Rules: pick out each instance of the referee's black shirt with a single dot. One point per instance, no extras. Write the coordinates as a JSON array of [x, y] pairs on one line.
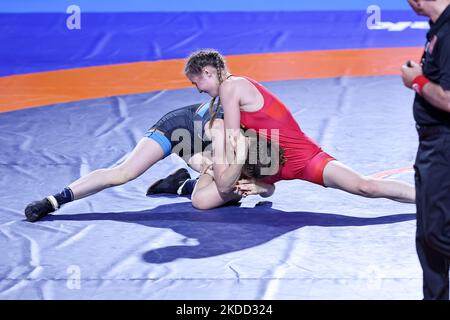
[[436, 67]]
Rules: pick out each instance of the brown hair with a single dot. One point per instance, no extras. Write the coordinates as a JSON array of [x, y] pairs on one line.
[[260, 157], [195, 64]]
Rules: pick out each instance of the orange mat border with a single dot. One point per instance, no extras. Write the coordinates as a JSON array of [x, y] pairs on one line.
[[39, 89]]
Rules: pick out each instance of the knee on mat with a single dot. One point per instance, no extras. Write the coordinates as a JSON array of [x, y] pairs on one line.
[[200, 203]]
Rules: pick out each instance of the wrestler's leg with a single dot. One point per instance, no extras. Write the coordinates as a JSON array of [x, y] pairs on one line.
[[146, 153], [339, 176], [206, 195]]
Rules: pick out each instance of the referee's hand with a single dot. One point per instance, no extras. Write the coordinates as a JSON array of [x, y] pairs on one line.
[[410, 70]]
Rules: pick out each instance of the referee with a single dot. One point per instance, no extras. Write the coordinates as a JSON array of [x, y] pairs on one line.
[[431, 81]]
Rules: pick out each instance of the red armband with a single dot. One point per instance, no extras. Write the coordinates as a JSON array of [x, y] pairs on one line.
[[419, 82]]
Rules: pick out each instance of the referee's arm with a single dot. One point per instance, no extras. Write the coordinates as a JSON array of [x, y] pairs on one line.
[[436, 94]]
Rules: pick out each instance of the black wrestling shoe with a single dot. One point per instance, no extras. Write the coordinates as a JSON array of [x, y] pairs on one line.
[[170, 184], [38, 209]]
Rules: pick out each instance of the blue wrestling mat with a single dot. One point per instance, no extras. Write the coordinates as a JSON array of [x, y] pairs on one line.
[[304, 242]]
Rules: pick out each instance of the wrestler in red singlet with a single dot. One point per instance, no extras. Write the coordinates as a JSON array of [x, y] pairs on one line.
[[304, 158]]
